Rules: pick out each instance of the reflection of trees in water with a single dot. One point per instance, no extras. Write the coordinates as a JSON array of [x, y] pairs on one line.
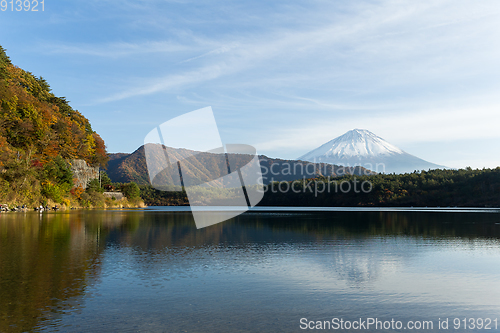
[[169, 245], [46, 263], [414, 224], [358, 246], [156, 231]]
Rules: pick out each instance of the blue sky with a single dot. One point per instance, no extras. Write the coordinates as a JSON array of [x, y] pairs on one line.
[[283, 76]]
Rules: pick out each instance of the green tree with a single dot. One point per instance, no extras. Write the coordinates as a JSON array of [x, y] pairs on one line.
[[94, 187], [105, 180], [58, 171], [131, 190]]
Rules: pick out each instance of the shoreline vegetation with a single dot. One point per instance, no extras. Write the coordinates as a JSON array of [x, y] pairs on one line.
[[94, 196], [40, 134]]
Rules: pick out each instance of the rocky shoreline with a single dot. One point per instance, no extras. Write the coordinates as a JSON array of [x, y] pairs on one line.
[[6, 208]]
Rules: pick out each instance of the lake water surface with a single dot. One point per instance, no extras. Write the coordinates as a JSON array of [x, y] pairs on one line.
[[264, 271]]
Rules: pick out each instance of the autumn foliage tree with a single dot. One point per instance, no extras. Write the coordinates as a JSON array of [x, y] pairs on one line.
[[32, 116], [38, 127]]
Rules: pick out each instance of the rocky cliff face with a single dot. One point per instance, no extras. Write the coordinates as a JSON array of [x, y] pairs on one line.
[[82, 172]]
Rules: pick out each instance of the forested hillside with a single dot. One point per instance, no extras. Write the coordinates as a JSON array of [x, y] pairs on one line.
[[433, 188], [39, 132]]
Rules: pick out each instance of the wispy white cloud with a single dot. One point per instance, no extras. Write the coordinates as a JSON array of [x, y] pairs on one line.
[[220, 50], [382, 46], [116, 50], [411, 71], [169, 82]]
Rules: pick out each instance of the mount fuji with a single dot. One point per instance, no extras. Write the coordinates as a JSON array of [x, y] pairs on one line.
[[362, 147]]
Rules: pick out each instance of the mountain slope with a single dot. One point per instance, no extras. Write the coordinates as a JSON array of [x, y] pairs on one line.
[[362, 147], [132, 167]]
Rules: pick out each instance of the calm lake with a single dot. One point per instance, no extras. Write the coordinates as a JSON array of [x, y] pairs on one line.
[[264, 271]]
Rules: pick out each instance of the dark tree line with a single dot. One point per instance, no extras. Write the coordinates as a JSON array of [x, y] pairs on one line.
[[444, 188]]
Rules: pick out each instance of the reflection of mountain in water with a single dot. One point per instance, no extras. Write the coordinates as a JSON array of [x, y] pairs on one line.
[[360, 261], [357, 268], [355, 246], [48, 261]]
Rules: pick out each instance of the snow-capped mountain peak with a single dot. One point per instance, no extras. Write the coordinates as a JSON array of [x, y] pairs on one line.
[[357, 142], [362, 147]]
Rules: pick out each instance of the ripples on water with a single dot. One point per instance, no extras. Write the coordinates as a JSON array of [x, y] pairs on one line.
[[153, 270]]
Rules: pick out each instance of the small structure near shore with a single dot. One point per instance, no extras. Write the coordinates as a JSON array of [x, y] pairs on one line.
[[116, 195]]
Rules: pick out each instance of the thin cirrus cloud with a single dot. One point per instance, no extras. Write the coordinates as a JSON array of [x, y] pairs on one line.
[[359, 49], [167, 83], [371, 44], [410, 71], [238, 59], [393, 70], [116, 50]]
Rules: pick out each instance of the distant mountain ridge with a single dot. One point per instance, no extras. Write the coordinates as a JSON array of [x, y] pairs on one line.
[[362, 147], [123, 167]]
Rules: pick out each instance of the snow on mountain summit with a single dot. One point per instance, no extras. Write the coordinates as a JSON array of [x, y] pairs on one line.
[[355, 143], [362, 147]]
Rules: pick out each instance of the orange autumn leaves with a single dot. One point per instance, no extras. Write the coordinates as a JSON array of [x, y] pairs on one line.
[[33, 119]]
